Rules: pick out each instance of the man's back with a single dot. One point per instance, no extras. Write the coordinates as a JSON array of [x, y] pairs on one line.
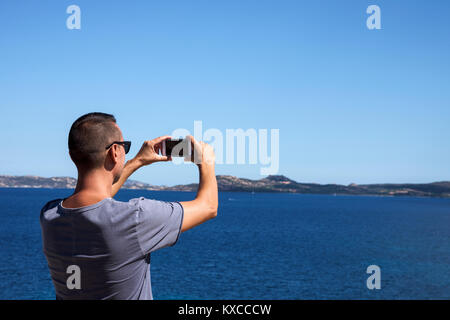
[[110, 242], [99, 248]]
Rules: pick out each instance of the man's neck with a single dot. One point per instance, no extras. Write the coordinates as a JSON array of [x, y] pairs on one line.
[[91, 188]]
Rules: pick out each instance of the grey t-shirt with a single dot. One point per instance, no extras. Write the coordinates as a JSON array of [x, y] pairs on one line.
[[110, 241]]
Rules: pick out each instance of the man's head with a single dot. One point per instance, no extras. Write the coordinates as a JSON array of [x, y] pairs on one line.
[[88, 138]]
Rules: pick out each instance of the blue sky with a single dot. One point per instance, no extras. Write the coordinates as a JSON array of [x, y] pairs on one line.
[[352, 104]]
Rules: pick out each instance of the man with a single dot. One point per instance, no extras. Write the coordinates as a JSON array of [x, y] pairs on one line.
[[99, 248]]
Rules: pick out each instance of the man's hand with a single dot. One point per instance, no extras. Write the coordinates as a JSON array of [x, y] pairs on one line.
[[205, 204], [147, 155], [149, 152], [203, 153]]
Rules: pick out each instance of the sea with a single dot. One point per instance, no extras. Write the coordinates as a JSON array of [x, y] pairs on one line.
[[263, 246]]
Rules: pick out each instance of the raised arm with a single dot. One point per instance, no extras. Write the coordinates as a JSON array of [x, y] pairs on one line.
[[205, 204], [130, 167], [148, 154]]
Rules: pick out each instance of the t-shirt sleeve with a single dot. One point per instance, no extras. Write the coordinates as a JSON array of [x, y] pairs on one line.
[[158, 223]]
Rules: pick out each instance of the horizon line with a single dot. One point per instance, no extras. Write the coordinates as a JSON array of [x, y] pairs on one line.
[[229, 175]]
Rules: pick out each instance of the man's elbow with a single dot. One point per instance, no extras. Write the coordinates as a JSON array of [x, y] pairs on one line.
[[213, 211]]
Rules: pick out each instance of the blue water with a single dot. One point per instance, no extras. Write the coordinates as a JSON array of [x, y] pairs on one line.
[[263, 246]]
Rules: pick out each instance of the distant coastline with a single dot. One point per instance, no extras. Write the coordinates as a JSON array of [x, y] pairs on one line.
[[278, 184]]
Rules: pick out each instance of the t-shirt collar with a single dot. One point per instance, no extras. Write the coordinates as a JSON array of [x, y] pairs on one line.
[[82, 209]]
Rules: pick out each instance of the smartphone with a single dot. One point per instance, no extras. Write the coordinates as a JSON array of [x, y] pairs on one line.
[[176, 147]]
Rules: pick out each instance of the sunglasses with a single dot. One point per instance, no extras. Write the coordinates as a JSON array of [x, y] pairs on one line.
[[126, 145]]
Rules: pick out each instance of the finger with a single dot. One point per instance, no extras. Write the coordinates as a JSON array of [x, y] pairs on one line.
[[164, 158], [194, 142], [162, 138]]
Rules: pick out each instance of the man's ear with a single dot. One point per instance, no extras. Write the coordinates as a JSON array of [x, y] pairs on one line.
[[113, 153], [109, 162]]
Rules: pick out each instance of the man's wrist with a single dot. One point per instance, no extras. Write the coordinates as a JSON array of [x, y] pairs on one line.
[[134, 164], [206, 167]]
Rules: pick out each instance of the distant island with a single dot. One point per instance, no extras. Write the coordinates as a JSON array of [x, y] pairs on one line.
[[269, 184]]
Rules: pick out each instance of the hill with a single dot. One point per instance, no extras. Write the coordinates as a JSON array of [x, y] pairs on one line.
[[269, 184]]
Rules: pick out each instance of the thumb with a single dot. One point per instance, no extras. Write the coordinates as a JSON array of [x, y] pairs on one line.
[[163, 158]]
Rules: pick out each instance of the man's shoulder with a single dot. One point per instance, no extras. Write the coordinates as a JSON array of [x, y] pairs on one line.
[[139, 203], [48, 211], [143, 203], [51, 204]]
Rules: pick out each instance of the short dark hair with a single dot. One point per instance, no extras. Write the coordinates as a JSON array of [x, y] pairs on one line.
[[89, 135]]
